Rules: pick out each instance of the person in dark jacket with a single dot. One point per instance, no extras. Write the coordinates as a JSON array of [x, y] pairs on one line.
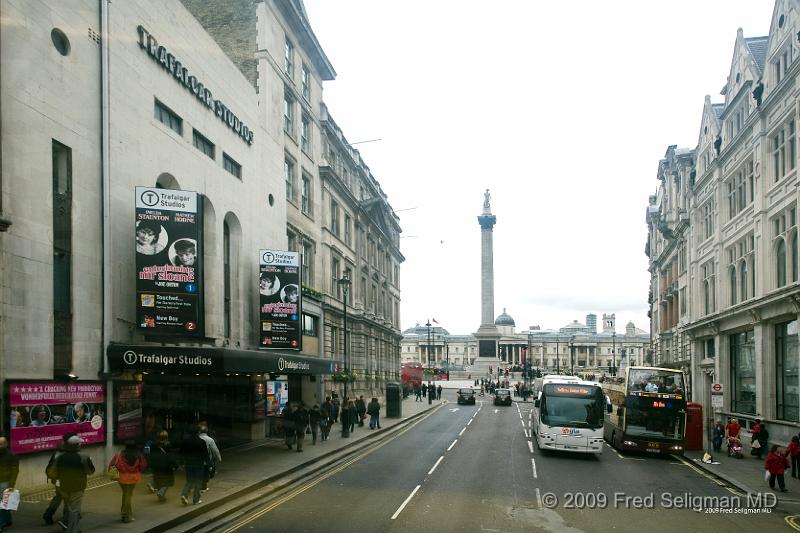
[[195, 459], [9, 470], [374, 411], [288, 425], [345, 419], [326, 420], [424, 389], [361, 410], [719, 433], [314, 418], [57, 499], [163, 463], [335, 410], [73, 469], [352, 415], [301, 421]]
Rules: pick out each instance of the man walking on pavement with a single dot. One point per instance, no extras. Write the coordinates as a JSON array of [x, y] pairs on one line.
[[431, 393], [288, 425], [301, 421], [438, 392], [9, 470], [50, 470], [361, 409], [195, 458], [417, 393], [374, 411], [214, 456], [73, 469]]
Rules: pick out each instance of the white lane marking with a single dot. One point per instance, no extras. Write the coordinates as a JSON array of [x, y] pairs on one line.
[[538, 497], [523, 424], [462, 432], [470, 422], [451, 446], [533, 465], [437, 464], [454, 410], [496, 411], [403, 506], [530, 446], [527, 434], [520, 416]]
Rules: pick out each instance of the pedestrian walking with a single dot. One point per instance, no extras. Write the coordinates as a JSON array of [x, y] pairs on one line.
[[9, 470], [352, 415], [129, 463], [431, 393], [374, 412], [792, 453], [301, 421], [719, 433], [361, 409], [214, 456], [194, 452], [417, 392], [775, 465], [288, 425], [424, 389], [314, 418], [345, 419], [163, 464], [52, 477], [72, 469], [336, 408], [439, 392], [326, 420]]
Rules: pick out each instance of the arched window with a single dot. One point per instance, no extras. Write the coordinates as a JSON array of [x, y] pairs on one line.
[[743, 280], [732, 271], [794, 256], [226, 277], [706, 297], [780, 260]]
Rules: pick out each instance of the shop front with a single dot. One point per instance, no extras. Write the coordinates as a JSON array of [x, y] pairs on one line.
[[238, 392]]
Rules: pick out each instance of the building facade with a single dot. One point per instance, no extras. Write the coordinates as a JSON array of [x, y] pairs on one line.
[[212, 98], [722, 240]]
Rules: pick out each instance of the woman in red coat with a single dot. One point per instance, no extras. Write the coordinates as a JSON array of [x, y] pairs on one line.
[[733, 428], [776, 465], [792, 453], [130, 464]]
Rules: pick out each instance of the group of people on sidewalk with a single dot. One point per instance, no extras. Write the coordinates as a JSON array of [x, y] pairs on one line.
[[777, 461], [298, 421], [423, 390], [69, 468]]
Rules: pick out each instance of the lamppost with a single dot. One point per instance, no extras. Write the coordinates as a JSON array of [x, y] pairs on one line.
[[526, 367], [571, 353], [344, 283], [428, 349], [447, 355], [558, 358], [613, 353]]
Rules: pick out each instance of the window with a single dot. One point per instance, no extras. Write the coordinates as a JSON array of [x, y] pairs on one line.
[[334, 217], [310, 325], [781, 64], [231, 166], [291, 239], [794, 256], [306, 204], [306, 83], [288, 174], [347, 231], [787, 371], [682, 256], [288, 58], [780, 262], [335, 277], [734, 284], [708, 271], [288, 113], [307, 262], [707, 219], [743, 280], [783, 150], [739, 189], [203, 144], [226, 263], [164, 115], [743, 374], [62, 257], [305, 134]]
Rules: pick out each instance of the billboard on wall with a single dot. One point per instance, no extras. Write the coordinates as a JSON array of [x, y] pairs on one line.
[[280, 299], [169, 262], [41, 413], [128, 410]]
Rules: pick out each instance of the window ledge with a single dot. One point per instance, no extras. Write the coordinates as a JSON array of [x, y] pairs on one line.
[[5, 223]]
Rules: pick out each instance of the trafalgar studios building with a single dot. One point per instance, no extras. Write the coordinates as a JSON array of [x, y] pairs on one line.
[[143, 219]]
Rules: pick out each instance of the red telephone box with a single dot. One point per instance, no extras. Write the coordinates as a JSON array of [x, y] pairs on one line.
[[694, 426]]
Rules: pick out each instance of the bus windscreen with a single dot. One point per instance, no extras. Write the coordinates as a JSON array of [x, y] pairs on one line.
[[567, 405]]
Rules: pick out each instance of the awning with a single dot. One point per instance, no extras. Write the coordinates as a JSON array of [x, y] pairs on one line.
[[179, 359]]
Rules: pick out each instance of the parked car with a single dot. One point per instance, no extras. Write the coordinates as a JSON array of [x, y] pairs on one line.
[[465, 396], [502, 397]]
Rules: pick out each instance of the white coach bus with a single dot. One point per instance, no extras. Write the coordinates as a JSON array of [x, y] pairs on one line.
[[568, 415]]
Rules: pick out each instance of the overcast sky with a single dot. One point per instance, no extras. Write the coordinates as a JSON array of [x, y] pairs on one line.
[[561, 109]]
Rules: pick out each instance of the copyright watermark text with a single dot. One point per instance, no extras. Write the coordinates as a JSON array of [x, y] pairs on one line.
[[751, 503]]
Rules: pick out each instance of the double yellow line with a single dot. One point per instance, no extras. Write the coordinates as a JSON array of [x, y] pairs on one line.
[[301, 489]]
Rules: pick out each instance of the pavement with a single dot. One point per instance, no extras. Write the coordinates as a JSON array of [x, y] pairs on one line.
[[746, 474], [242, 470]]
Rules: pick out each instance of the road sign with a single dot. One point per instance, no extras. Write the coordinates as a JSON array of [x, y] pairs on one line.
[[716, 401], [716, 389]]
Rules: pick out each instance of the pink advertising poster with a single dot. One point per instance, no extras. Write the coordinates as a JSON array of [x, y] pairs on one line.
[[43, 412]]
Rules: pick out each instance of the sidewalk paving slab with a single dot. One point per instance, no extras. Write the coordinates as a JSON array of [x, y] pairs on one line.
[[240, 471]]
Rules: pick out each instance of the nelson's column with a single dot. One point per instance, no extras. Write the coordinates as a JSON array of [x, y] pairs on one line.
[[487, 333]]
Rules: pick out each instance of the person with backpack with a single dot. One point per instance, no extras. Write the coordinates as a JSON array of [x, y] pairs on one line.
[[301, 421], [374, 411], [214, 456], [129, 463], [72, 469], [163, 463], [52, 477], [195, 459]]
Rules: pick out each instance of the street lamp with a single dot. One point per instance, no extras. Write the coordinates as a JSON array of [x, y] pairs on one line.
[[571, 353], [344, 282], [447, 355], [613, 353], [526, 367], [428, 350], [558, 358]]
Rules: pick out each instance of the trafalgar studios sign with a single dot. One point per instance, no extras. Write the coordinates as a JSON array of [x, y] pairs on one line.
[[169, 269], [280, 299]]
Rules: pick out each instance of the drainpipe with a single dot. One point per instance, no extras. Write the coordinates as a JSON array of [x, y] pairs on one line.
[[105, 162]]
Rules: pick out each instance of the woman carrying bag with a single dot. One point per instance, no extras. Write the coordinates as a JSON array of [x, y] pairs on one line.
[[127, 466]]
